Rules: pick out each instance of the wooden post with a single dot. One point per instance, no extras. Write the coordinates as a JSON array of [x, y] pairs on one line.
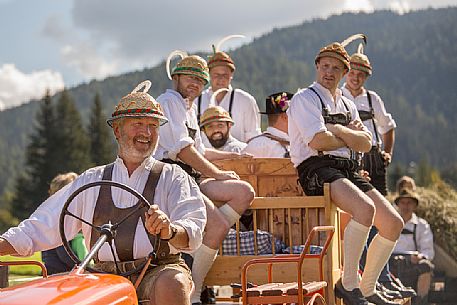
[[3, 276]]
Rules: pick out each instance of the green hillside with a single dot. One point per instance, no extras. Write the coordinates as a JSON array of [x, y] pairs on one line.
[[413, 56]]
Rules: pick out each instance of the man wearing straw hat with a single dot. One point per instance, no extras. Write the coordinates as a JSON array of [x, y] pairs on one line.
[[177, 215], [242, 106], [374, 116], [325, 132], [216, 124], [274, 142], [414, 250], [180, 142]]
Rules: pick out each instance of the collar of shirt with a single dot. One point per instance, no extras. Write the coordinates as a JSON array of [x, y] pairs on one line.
[[326, 93], [347, 93], [414, 219], [145, 165], [188, 104], [210, 91], [277, 133]]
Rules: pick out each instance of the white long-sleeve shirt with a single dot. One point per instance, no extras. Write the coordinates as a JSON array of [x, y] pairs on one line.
[[383, 119], [264, 147], [306, 120], [245, 112], [176, 194], [174, 136], [424, 238]]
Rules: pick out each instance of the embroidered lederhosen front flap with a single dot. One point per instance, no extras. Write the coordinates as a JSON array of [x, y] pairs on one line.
[[105, 211]]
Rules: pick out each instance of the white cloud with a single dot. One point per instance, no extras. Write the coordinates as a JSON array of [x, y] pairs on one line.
[[78, 52], [17, 87]]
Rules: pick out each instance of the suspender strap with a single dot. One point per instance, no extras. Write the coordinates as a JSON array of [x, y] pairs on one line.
[[199, 108], [106, 211], [372, 119], [413, 232], [325, 110], [232, 95]]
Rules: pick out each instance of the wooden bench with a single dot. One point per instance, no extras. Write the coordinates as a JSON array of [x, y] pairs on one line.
[[281, 209]]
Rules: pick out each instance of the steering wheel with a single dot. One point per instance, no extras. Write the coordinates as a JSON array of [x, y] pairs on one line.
[[107, 231]]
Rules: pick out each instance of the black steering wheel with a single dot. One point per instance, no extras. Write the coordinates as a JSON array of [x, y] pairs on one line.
[[107, 231]]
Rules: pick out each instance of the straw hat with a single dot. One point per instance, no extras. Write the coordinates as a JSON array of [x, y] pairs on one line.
[[277, 103], [215, 114], [138, 104], [192, 65], [337, 50], [220, 58], [360, 61], [406, 193]]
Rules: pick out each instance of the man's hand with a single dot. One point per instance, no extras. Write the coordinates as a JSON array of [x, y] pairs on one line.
[[157, 222], [365, 175], [356, 125], [226, 175], [387, 158]]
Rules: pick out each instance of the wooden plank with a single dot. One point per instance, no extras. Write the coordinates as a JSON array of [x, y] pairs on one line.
[[287, 202], [279, 289], [4, 270], [260, 290], [307, 287]]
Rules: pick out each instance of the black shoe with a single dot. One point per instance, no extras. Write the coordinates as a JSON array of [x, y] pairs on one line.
[[387, 293], [197, 303], [208, 296], [406, 292], [353, 297], [378, 299]]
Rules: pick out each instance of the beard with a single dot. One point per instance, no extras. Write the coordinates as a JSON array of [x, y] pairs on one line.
[[219, 141], [129, 149]]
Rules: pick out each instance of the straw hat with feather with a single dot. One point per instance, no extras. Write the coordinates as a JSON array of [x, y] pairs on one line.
[[138, 104], [337, 50], [220, 58], [192, 65], [215, 114], [360, 61]]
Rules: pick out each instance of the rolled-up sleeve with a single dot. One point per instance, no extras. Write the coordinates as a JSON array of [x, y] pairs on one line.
[[174, 135], [383, 118], [306, 115]]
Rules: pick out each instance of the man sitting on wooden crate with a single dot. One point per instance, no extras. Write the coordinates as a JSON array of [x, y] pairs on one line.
[[326, 133]]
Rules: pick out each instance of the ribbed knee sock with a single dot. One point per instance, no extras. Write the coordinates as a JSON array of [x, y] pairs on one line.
[[355, 237], [378, 254], [230, 214], [203, 260]]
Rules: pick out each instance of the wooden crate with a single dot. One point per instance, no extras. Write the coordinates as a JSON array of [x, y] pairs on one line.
[[281, 209]]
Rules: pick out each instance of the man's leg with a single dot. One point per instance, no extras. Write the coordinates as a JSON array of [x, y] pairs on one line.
[[237, 196], [215, 231], [352, 200], [171, 287], [389, 225]]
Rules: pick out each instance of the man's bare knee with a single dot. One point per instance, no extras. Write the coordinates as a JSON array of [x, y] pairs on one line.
[[171, 285]]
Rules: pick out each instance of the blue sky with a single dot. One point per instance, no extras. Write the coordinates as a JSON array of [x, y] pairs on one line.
[[56, 43]]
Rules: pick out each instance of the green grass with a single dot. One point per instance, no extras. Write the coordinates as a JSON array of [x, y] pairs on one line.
[[25, 269]]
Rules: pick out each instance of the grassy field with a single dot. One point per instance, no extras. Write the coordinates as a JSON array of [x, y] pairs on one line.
[[24, 270]]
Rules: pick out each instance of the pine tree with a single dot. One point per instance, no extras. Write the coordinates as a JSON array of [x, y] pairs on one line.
[[101, 144], [73, 152], [32, 185]]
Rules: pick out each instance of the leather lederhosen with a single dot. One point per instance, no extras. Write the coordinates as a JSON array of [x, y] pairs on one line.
[[105, 212], [284, 143]]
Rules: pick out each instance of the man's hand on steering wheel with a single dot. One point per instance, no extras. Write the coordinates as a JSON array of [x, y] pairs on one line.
[[158, 223]]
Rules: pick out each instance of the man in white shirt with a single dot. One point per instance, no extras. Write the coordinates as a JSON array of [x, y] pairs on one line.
[[216, 124], [374, 116], [325, 131], [177, 214], [414, 250], [274, 142], [180, 142], [241, 106]]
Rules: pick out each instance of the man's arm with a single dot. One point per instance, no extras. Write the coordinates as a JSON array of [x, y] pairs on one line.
[[354, 136], [326, 141], [6, 248], [212, 154], [192, 157]]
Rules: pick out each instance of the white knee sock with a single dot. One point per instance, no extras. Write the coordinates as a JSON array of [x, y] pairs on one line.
[[230, 214], [378, 254], [355, 237], [203, 260]]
